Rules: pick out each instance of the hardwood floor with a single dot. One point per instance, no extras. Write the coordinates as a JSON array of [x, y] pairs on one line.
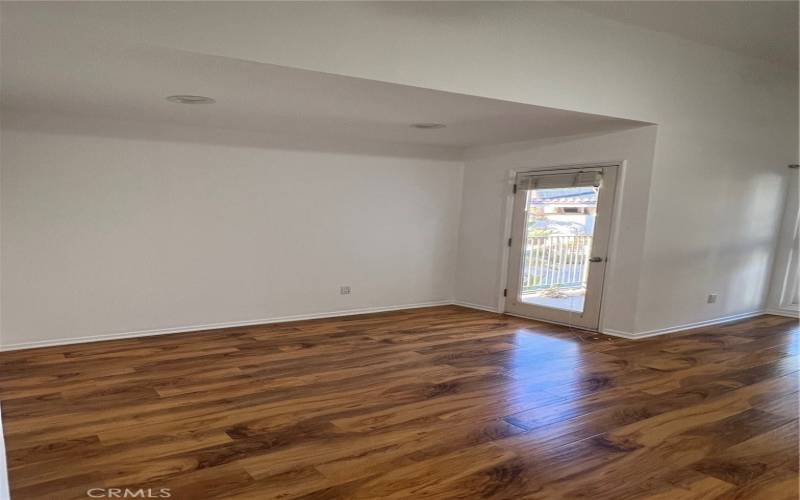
[[442, 402]]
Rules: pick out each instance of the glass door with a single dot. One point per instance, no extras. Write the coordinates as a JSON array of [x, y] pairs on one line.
[[560, 233]]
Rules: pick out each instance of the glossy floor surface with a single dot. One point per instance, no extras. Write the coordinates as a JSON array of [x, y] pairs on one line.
[[441, 402]]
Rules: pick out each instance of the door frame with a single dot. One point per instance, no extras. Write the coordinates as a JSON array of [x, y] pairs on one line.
[[508, 212]]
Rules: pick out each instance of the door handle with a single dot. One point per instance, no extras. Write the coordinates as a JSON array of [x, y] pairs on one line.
[[596, 259]]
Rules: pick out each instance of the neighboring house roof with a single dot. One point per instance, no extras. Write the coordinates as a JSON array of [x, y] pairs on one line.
[[566, 195]]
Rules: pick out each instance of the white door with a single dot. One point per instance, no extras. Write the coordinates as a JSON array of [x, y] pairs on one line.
[[559, 242]]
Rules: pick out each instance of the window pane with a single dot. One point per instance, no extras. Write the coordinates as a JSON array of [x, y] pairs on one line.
[[559, 224]]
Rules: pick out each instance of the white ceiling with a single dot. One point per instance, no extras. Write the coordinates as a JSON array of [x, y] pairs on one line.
[[761, 29], [56, 67], [95, 60]]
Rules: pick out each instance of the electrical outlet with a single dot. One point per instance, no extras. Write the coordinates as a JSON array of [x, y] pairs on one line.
[[344, 290], [712, 297]]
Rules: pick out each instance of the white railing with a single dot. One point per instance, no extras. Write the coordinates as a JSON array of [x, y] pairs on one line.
[[555, 261]]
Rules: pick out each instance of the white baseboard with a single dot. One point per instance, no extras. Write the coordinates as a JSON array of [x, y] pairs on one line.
[[479, 307], [789, 313], [680, 328], [368, 310], [216, 326]]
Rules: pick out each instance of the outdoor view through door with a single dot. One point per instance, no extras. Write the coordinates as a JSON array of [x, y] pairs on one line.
[[560, 233], [559, 225]]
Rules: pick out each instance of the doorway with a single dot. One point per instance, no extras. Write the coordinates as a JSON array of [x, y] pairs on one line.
[[560, 233]]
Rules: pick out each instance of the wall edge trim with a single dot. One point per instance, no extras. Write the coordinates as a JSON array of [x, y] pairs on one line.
[[684, 327], [479, 307], [789, 313]]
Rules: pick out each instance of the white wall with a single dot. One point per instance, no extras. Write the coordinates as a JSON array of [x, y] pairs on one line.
[[107, 229], [713, 235], [727, 124], [715, 208], [484, 211]]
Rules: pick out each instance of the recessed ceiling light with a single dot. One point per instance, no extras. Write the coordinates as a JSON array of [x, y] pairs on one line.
[[428, 126], [190, 99]]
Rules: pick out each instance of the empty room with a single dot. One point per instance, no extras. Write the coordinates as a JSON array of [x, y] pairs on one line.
[[410, 250]]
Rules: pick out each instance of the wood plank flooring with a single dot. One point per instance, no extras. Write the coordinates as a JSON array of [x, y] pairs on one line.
[[442, 402]]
